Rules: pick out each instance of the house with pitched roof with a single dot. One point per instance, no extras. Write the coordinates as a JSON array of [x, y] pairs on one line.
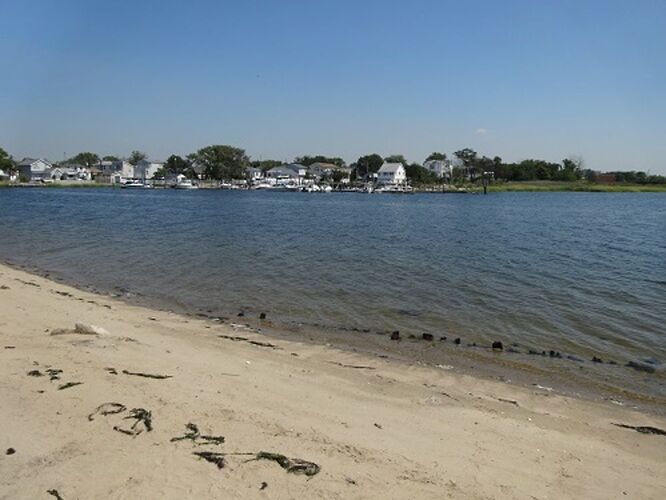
[[392, 173], [34, 169]]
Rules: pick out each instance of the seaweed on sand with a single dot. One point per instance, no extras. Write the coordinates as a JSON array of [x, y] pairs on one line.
[[196, 437], [140, 415]]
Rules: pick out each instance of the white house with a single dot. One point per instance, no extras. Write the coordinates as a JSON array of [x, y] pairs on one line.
[[146, 169], [301, 170], [254, 174], [441, 168], [282, 173], [392, 173], [114, 171], [31, 169]]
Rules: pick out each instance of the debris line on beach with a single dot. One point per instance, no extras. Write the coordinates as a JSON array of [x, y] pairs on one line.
[[358, 367], [643, 429], [147, 375]]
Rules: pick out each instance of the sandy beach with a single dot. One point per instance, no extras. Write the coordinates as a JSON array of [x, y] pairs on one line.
[[375, 427]]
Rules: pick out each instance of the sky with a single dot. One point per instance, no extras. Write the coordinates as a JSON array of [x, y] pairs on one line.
[[518, 79]]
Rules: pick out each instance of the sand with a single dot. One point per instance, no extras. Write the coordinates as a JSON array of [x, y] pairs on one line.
[[378, 428]]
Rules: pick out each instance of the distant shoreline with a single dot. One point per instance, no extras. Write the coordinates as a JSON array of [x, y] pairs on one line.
[[523, 186]]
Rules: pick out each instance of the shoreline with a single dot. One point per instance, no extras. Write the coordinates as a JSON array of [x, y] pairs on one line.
[[373, 424], [506, 187], [516, 364]]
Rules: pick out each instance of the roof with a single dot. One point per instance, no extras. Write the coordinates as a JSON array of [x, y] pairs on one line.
[[283, 171], [28, 162], [390, 168]]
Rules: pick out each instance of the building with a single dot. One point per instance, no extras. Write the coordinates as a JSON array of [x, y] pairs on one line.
[[301, 170], [320, 169], [392, 173], [441, 168], [34, 170], [282, 172], [113, 172], [254, 174], [146, 169]]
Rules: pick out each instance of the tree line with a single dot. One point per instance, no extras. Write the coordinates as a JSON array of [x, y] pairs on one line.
[[225, 162]]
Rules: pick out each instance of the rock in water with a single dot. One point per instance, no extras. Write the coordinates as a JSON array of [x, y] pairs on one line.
[[498, 346]]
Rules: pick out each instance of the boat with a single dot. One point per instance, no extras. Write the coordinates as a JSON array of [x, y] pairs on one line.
[[135, 184], [185, 184], [395, 189]]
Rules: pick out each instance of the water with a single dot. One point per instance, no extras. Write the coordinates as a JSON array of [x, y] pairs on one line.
[[580, 273]]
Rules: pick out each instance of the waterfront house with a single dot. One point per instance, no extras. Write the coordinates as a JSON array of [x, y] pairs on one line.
[[301, 170], [320, 170], [392, 173], [146, 169], [254, 174], [4, 176], [283, 173], [34, 170], [441, 168], [113, 172]]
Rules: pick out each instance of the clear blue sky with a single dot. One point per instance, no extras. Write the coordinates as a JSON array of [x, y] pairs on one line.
[[518, 79]]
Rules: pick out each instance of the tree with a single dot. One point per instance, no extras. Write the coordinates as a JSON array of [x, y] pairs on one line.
[[436, 156], [136, 156], [87, 159], [571, 169], [469, 158], [110, 158], [176, 165], [396, 159], [419, 175], [309, 160], [222, 161], [368, 164], [6, 162]]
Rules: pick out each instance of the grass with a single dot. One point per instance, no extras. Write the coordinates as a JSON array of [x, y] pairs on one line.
[[56, 185], [584, 186]]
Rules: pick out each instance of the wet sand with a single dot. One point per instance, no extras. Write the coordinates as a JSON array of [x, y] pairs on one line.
[[378, 427]]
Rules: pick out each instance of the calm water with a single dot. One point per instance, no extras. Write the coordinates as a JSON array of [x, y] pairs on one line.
[[582, 273]]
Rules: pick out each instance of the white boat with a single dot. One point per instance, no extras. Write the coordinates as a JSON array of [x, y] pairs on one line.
[[394, 189], [185, 184], [135, 184]]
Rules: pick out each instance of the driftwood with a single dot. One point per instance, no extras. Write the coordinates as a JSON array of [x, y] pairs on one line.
[[140, 415], [643, 429], [107, 409], [253, 342], [197, 438], [55, 494], [293, 465], [146, 375], [111, 370], [212, 457], [68, 385]]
